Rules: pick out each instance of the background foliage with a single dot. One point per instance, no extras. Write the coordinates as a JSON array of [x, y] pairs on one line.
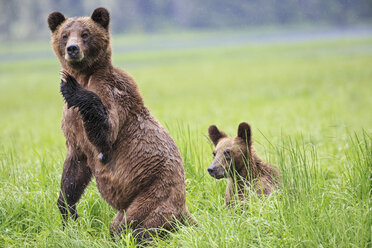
[[21, 19]]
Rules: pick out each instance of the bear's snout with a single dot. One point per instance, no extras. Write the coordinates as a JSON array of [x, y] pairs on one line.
[[74, 53], [211, 169], [216, 171], [73, 50]]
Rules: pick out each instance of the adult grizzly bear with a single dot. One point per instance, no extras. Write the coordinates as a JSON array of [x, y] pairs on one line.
[[111, 135], [236, 159]]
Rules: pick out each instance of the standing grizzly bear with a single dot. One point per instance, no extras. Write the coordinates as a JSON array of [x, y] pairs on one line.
[[236, 159], [111, 135]]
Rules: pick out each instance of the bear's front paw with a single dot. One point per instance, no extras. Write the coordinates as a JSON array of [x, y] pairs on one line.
[[69, 80], [69, 89], [104, 158]]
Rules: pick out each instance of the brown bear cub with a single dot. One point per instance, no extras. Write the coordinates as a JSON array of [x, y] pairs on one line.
[[236, 159], [111, 135]]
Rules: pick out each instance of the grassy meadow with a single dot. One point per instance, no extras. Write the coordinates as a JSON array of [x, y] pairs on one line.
[[309, 103]]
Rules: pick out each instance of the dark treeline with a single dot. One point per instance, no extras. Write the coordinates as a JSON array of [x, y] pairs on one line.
[[20, 19]]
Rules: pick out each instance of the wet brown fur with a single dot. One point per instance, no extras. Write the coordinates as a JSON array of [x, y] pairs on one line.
[[143, 178], [236, 159]]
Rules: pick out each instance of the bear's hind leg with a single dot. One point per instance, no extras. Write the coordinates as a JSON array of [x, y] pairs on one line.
[[134, 218], [117, 222], [123, 221], [155, 225], [75, 178]]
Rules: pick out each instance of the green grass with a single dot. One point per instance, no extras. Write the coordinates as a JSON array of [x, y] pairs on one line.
[[309, 104]]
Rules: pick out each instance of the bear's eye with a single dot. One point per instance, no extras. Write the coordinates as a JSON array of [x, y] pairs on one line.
[[227, 154], [214, 154], [84, 35], [64, 37]]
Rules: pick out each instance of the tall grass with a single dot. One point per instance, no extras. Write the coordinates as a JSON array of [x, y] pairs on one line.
[[321, 210], [308, 104]]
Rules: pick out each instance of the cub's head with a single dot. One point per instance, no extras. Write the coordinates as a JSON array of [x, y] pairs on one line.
[[229, 153], [81, 41]]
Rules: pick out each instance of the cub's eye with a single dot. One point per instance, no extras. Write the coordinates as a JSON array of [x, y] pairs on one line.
[[214, 154], [64, 37], [84, 35], [227, 154]]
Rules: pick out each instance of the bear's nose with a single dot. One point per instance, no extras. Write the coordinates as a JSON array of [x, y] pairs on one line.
[[211, 169], [73, 50]]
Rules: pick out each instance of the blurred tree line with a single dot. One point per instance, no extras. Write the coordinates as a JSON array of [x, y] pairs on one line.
[[20, 19]]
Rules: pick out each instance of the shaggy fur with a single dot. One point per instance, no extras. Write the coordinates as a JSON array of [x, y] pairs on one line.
[[111, 135], [236, 159]]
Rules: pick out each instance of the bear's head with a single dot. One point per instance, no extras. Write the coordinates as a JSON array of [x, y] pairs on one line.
[[81, 42], [230, 154]]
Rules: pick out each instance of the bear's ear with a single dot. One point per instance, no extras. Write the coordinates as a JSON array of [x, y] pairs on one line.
[[244, 132], [101, 16], [215, 134], [55, 19]]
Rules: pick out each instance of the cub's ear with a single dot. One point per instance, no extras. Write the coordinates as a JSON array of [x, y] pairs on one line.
[[244, 132], [215, 134], [54, 20], [102, 17]]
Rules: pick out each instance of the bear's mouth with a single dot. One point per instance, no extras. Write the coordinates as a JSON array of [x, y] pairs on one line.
[[74, 58], [218, 176]]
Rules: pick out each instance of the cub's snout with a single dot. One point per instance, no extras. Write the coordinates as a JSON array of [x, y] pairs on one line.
[[217, 172]]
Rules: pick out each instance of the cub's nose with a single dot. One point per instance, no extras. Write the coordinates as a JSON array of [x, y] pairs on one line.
[[211, 170], [73, 50]]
